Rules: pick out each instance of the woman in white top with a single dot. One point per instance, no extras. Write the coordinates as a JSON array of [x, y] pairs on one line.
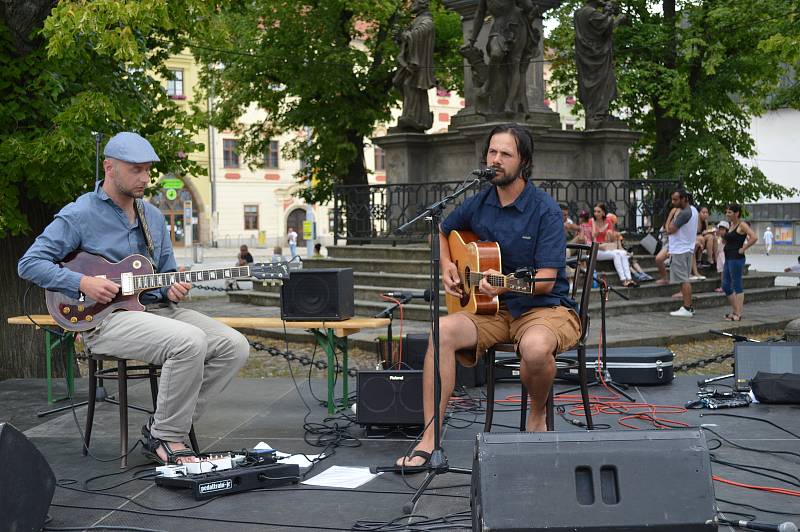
[[602, 225]]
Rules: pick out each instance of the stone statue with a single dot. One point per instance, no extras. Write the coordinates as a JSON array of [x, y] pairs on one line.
[[414, 75], [500, 85], [597, 85]]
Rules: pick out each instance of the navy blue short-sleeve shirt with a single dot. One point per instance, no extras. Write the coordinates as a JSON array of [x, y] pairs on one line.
[[530, 232]]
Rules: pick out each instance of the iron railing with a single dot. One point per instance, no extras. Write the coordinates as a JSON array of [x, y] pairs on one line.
[[372, 213]]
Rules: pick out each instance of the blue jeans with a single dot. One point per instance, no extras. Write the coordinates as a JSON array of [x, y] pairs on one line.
[[732, 276], [292, 251]]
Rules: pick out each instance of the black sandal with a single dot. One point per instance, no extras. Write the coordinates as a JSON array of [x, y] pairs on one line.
[[411, 470], [150, 446]]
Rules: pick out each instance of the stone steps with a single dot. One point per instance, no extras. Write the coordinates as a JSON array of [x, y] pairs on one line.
[[398, 263], [372, 290], [379, 269], [417, 310]]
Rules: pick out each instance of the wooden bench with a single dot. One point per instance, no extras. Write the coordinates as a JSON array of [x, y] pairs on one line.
[[330, 335]]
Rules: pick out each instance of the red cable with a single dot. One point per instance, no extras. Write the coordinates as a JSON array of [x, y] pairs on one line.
[[783, 491], [391, 340]]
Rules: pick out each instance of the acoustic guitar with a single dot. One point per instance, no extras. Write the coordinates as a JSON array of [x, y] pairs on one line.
[[135, 275], [472, 257]]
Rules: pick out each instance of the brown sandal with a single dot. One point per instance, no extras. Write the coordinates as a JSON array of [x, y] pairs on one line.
[[150, 446]]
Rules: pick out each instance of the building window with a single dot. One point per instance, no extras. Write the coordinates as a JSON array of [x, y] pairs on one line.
[[569, 126], [380, 165], [271, 156], [175, 85], [230, 153], [250, 217]]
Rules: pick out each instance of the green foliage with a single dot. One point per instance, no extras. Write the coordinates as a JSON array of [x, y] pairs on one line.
[[322, 71], [94, 68], [692, 85], [447, 59]]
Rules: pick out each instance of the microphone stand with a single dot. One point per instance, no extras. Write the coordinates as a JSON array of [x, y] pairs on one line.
[[736, 338], [389, 312], [437, 464], [603, 375]]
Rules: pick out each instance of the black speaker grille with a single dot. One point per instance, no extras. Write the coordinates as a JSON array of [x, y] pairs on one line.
[[318, 294]]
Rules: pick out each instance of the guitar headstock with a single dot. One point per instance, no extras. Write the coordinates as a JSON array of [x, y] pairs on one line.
[[273, 270]]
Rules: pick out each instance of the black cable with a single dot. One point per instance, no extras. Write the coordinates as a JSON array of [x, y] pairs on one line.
[[451, 521], [787, 431], [196, 517], [756, 508], [101, 527], [756, 470], [745, 448]]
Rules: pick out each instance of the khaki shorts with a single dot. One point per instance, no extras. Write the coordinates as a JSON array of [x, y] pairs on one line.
[[503, 328]]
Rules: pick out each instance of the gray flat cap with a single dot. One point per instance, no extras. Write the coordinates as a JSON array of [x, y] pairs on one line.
[[131, 148]]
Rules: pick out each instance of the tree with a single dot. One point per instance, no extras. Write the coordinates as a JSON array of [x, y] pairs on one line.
[[322, 70], [68, 69], [691, 75]]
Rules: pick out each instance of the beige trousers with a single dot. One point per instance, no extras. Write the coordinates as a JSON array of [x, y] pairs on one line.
[[198, 357]]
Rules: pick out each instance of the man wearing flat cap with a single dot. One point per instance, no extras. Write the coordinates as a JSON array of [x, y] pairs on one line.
[[199, 356]]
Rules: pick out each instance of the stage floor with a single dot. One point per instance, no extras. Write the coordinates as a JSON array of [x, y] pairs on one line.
[[270, 410]]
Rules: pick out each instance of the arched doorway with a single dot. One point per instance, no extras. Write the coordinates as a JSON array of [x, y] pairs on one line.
[[170, 202], [296, 219]]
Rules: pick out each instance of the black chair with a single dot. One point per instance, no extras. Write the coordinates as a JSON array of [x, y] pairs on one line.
[[583, 277], [122, 373]]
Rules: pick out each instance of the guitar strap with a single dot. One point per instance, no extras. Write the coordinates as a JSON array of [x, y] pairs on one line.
[[145, 230]]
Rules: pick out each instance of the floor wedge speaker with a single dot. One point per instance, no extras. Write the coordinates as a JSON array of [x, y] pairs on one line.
[[389, 398], [613, 481], [26, 482], [318, 294]]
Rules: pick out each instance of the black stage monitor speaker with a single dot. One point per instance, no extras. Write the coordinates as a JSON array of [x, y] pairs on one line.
[[26, 482], [768, 357], [611, 481], [318, 294], [389, 398]]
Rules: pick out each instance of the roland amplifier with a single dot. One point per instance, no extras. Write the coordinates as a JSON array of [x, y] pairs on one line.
[[389, 398]]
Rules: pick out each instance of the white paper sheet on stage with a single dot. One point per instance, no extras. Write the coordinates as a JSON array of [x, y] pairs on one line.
[[342, 477]]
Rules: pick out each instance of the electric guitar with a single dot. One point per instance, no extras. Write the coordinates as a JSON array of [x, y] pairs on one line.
[[472, 257], [135, 275]]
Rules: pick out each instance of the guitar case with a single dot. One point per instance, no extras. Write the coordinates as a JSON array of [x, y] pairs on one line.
[[627, 365]]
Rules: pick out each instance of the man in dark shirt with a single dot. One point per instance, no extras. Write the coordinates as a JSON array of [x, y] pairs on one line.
[[199, 355], [527, 223]]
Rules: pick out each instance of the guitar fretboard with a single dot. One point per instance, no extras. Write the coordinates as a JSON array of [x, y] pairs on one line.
[[158, 280], [503, 281]]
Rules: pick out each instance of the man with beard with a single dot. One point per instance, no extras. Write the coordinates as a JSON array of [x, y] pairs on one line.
[[198, 355], [527, 224]]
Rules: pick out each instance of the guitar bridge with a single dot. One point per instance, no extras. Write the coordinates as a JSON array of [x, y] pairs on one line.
[[126, 280]]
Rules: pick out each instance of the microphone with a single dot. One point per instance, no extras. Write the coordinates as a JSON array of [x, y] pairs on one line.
[[786, 526], [426, 295], [485, 173]]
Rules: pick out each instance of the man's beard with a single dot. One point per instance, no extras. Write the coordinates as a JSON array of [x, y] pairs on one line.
[[506, 179], [125, 192]]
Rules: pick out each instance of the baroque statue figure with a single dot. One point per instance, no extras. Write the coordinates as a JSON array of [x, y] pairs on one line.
[[414, 75], [512, 44], [597, 85]]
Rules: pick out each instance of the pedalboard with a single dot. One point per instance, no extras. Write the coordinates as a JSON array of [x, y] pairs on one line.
[[235, 480]]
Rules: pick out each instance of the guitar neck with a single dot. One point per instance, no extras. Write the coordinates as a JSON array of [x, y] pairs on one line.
[[503, 281], [160, 280]]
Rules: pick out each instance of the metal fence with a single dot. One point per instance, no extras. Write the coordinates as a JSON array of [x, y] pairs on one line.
[[372, 213]]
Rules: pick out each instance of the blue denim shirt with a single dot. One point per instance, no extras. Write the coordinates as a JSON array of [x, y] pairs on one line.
[[95, 224], [530, 232]]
